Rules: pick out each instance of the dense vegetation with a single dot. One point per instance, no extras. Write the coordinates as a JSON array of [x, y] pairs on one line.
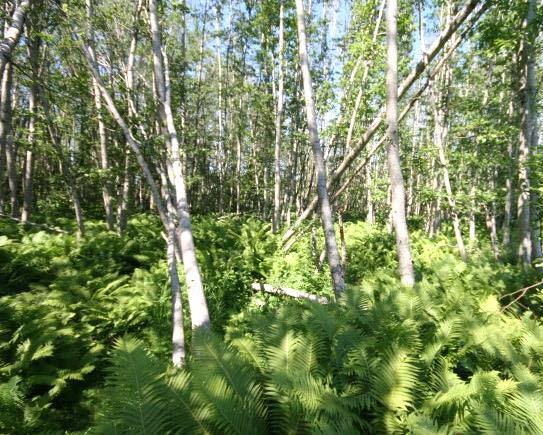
[[271, 216], [86, 330]]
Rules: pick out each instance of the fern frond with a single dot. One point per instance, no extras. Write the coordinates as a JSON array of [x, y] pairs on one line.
[[227, 387], [395, 380]]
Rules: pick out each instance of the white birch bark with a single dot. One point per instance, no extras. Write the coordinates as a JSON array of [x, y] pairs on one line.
[[33, 49], [334, 260], [102, 135], [399, 222], [278, 124], [197, 302], [134, 145], [12, 33], [6, 137]]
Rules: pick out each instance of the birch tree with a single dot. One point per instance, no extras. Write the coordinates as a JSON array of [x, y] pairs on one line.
[[332, 252], [195, 289], [399, 222]]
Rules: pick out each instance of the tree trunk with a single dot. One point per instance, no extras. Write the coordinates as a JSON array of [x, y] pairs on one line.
[[12, 33], [33, 50], [220, 141], [527, 94], [472, 216], [278, 123], [440, 139], [407, 274], [122, 209], [441, 92], [509, 190], [104, 161], [134, 145], [334, 260], [5, 128], [197, 301], [370, 215], [178, 332], [6, 137]]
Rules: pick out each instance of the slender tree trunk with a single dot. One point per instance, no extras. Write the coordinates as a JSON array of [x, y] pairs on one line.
[[527, 93], [472, 222], [358, 101], [134, 145], [6, 137], [334, 260], [197, 301], [399, 222], [64, 161], [104, 160], [278, 123], [220, 141], [509, 191], [491, 222], [440, 139], [178, 332], [370, 216], [33, 50], [238, 172], [122, 209], [5, 127]]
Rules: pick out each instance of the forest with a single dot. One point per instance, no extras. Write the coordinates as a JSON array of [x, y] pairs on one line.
[[271, 217]]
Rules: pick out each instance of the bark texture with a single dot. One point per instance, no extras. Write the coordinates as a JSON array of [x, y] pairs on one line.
[[195, 289], [13, 32], [334, 260], [399, 222]]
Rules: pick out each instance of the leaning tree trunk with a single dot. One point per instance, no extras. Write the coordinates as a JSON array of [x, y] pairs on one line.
[[399, 223], [332, 252], [195, 289], [12, 33], [406, 85]]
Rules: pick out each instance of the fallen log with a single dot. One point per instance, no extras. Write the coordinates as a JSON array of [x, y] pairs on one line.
[[34, 224], [286, 291]]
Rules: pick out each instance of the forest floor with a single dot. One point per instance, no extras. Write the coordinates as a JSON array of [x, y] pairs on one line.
[[458, 352]]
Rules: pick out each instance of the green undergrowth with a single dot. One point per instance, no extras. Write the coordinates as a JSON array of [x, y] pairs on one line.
[[382, 360], [85, 330]]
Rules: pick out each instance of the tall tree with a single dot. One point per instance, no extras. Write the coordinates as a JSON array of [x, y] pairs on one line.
[[332, 252], [197, 302], [527, 92], [102, 135], [399, 222], [278, 121]]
